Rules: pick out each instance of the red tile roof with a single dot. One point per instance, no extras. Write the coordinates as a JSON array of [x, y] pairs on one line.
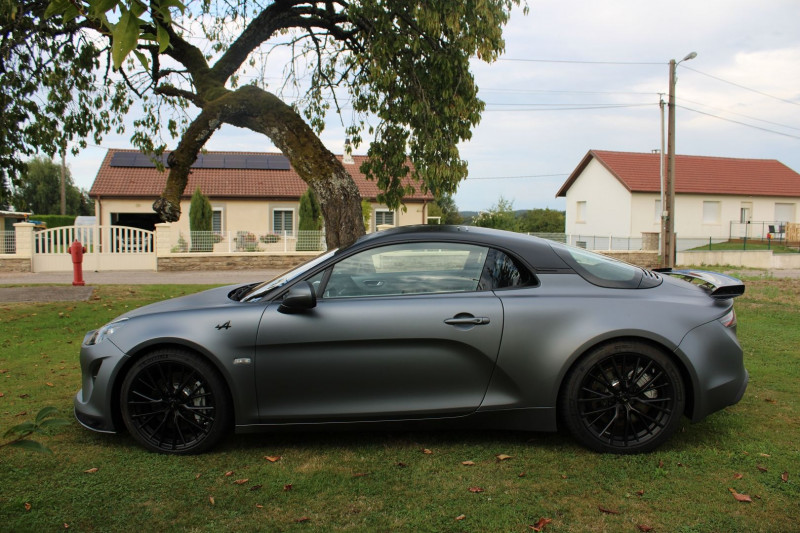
[[639, 172], [147, 182]]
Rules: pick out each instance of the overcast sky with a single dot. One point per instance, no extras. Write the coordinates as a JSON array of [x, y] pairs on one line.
[[580, 75]]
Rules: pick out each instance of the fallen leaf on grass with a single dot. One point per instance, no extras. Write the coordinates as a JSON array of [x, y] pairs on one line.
[[765, 455], [259, 506], [91, 470], [785, 477], [27, 506], [287, 488], [198, 476], [503, 457], [461, 517], [241, 481], [211, 500], [644, 528], [229, 473], [426, 451], [539, 526], [522, 474], [770, 400], [49, 384], [761, 468], [273, 458], [640, 492], [737, 475], [401, 464], [476, 489], [360, 474], [303, 519], [255, 487], [468, 463], [744, 498], [607, 511]]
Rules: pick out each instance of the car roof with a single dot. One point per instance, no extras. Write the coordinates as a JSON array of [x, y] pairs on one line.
[[535, 251]]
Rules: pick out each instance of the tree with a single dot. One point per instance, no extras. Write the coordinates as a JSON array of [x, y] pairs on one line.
[[543, 221], [403, 68], [5, 192], [200, 219], [445, 207], [499, 216], [52, 88], [310, 213], [37, 189]]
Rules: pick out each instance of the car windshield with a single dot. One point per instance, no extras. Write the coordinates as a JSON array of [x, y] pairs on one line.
[[258, 291]]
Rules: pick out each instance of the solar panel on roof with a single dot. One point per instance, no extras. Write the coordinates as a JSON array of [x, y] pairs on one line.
[[227, 161], [258, 162], [235, 161], [122, 159], [278, 162]]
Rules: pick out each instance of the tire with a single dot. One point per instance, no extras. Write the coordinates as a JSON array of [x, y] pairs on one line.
[[173, 401], [623, 398]]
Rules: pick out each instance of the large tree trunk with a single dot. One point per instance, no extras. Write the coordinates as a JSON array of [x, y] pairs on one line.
[[255, 109]]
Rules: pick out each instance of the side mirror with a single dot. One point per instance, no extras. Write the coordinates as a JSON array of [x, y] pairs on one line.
[[301, 297]]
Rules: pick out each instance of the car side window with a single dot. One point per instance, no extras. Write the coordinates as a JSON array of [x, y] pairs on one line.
[[408, 268], [502, 271]]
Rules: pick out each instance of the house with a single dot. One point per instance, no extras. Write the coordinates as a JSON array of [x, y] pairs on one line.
[[257, 192], [619, 194]]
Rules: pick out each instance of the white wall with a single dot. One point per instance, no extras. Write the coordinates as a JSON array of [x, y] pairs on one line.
[[608, 204]]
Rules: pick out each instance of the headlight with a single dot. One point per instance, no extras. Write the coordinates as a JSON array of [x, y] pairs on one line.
[[106, 331]]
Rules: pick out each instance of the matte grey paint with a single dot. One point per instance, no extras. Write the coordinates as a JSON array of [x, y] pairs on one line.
[[396, 358]]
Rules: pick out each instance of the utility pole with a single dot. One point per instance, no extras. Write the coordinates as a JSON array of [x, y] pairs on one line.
[[668, 216]]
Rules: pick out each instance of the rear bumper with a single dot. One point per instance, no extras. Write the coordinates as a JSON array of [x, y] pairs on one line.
[[717, 372]]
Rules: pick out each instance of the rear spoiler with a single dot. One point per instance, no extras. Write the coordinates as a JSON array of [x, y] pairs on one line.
[[719, 285]]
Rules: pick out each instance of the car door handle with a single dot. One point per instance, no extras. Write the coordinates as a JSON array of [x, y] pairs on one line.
[[467, 320], [373, 282]]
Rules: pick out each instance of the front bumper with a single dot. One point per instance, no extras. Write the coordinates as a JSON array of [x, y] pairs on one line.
[[94, 403]]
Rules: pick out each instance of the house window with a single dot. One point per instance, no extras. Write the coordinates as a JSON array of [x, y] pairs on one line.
[[216, 220], [282, 220], [711, 211], [384, 217], [580, 215], [784, 213]]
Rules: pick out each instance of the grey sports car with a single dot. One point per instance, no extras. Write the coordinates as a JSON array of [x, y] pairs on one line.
[[438, 325]]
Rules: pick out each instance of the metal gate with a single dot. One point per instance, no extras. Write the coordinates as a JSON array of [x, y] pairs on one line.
[[107, 248]]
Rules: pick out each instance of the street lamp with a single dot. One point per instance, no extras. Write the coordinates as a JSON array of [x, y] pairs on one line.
[[668, 211]]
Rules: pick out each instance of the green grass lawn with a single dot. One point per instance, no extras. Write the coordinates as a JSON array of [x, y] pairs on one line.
[[778, 247], [398, 481]]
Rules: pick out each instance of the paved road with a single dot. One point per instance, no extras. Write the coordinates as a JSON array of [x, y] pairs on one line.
[[138, 277]]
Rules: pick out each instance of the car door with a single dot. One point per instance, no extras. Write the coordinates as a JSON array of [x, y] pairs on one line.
[[399, 331]]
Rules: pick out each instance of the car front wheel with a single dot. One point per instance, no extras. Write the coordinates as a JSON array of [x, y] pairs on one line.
[[624, 397], [173, 401]]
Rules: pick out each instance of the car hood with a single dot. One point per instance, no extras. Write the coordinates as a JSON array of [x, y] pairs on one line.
[[217, 297]]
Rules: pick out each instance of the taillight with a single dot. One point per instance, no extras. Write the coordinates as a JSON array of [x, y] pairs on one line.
[[729, 320]]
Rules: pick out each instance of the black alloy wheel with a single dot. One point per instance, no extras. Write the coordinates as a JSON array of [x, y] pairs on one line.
[[173, 401], [623, 398]]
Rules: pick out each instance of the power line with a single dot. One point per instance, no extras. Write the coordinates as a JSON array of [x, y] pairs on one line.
[[519, 177], [576, 62], [739, 122], [743, 87], [742, 115]]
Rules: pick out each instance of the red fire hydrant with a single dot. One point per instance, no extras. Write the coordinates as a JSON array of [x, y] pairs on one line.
[[76, 250]]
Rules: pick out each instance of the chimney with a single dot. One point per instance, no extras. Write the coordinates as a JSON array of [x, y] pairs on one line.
[[347, 157]]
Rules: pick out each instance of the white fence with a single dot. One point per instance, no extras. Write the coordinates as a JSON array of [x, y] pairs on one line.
[[8, 242], [246, 241], [107, 248]]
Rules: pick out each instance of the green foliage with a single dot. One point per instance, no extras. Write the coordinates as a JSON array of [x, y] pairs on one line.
[[201, 219], [43, 422], [310, 212], [499, 216], [37, 189], [55, 221], [53, 89], [200, 212], [5, 192], [543, 221], [445, 207], [404, 65], [366, 213]]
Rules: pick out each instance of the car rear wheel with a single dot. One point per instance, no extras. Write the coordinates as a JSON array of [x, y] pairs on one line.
[[624, 397], [173, 401]]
